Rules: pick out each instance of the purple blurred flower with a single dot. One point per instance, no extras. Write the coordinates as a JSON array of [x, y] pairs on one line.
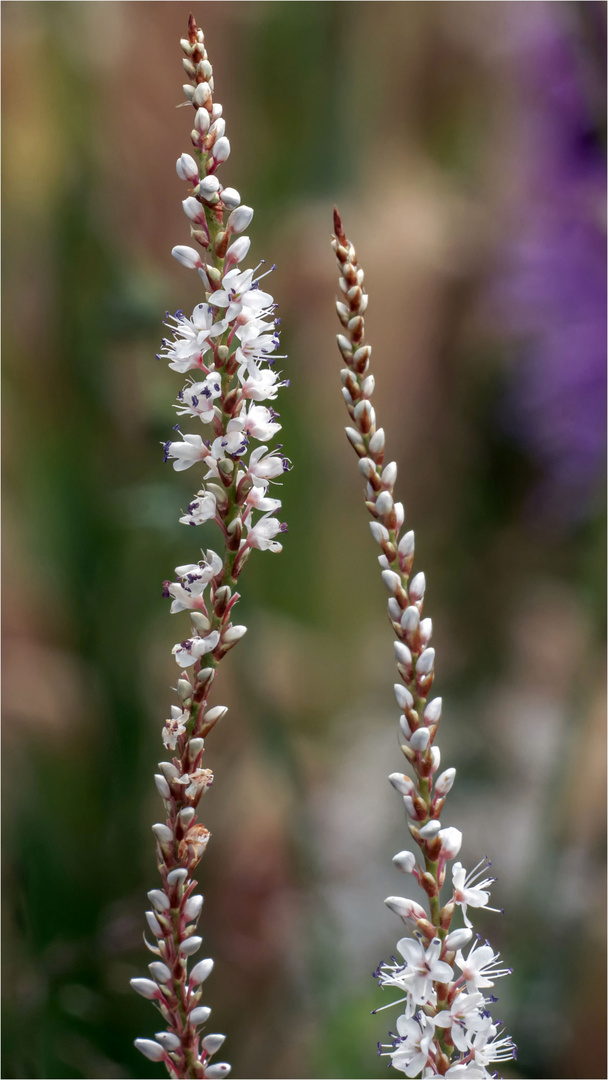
[[556, 291]]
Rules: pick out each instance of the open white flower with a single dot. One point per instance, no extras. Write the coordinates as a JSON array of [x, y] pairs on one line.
[[414, 1044], [185, 453], [189, 651], [192, 338], [468, 891], [481, 966]]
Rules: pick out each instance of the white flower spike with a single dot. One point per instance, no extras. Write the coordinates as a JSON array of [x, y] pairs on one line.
[[445, 1028], [225, 350]]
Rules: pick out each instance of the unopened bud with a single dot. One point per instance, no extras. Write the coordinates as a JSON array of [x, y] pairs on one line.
[[389, 473], [417, 586], [403, 656], [384, 502], [209, 186], [458, 938], [149, 1048], [194, 210], [376, 443], [186, 816], [187, 169], [240, 219], [194, 748], [221, 149], [201, 971], [432, 712], [177, 876], [424, 663], [378, 531], [216, 1072], [163, 788], [202, 121], [451, 842], [233, 634], [154, 924], [406, 909], [185, 691], [146, 988], [212, 716], [201, 94], [200, 1015], [160, 971], [420, 739], [187, 256], [212, 1043], [192, 907], [238, 250], [405, 861], [190, 946], [159, 899], [391, 580], [402, 783], [406, 544], [200, 621], [430, 830], [163, 834], [404, 698], [231, 198]]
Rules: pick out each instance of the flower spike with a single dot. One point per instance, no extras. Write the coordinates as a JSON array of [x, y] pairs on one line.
[[224, 350], [446, 1027]]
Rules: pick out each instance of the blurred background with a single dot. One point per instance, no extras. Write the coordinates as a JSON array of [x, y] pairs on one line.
[[464, 144]]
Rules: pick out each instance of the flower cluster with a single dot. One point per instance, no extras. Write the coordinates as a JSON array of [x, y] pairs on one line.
[[446, 1027], [226, 350]]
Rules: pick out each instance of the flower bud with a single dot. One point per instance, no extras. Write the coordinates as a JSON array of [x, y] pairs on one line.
[[221, 149], [430, 830], [424, 663], [432, 712], [208, 187], [187, 256], [451, 842], [159, 899], [389, 473], [435, 758], [420, 739], [188, 91], [384, 502], [186, 815], [404, 698], [405, 861], [214, 1072], [160, 971], [202, 121], [417, 586], [240, 219], [406, 545], [163, 788], [378, 531], [231, 198], [200, 1015], [376, 443], [406, 909], [212, 1043], [190, 945], [403, 656], [146, 988], [233, 634], [163, 834], [168, 1039], [192, 907], [168, 770], [238, 250], [176, 877], [154, 924], [402, 783], [201, 94], [194, 210], [391, 580], [410, 809], [445, 782], [394, 609], [150, 1049], [410, 620], [194, 748], [200, 621], [187, 169], [201, 971], [458, 938]]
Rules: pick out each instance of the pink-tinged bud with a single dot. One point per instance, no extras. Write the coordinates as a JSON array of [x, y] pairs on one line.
[[376, 443], [405, 728], [176, 877], [410, 809], [406, 909], [389, 473], [163, 788], [168, 769], [391, 580], [368, 386], [435, 758], [231, 198], [233, 634], [190, 945], [451, 842], [201, 94], [194, 210], [154, 924], [202, 121], [399, 515], [410, 620], [201, 971], [355, 439], [240, 219], [187, 256], [221, 149], [417, 586], [445, 782], [159, 899], [384, 503], [403, 656], [208, 187], [384, 563], [146, 988], [213, 716], [420, 739], [192, 907], [150, 1049], [365, 416], [217, 110], [238, 250], [424, 663], [188, 91], [432, 713], [430, 830], [426, 630], [404, 698], [214, 1072], [217, 128], [186, 815], [406, 545], [345, 347], [160, 971], [402, 783], [200, 1015], [194, 748], [212, 1043], [405, 861], [378, 531], [187, 169]]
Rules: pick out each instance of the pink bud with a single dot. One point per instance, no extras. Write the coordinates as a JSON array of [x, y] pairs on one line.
[[187, 256], [187, 169], [221, 149]]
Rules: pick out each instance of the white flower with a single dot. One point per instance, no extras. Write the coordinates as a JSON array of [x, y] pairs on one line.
[[262, 467], [189, 651], [257, 421], [201, 509], [412, 1048], [261, 384], [174, 727], [196, 782], [194, 578], [468, 891], [463, 1017], [258, 339], [240, 296], [186, 453], [233, 443], [262, 534], [192, 338], [257, 500], [423, 968], [480, 967], [196, 399]]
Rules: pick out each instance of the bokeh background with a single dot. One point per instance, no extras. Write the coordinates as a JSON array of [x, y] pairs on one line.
[[464, 143]]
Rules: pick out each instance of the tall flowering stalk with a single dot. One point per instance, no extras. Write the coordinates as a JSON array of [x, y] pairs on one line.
[[446, 1028], [225, 349]]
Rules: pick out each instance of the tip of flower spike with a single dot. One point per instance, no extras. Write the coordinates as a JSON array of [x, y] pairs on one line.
[[338, 228]]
